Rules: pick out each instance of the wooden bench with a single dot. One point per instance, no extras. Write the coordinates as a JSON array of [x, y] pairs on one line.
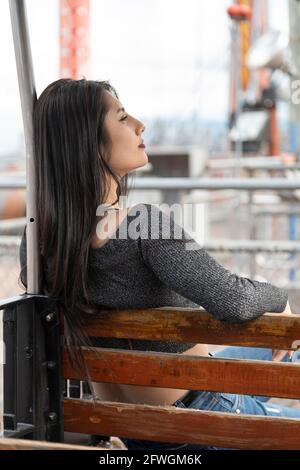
[[168, 423], [25, 444]]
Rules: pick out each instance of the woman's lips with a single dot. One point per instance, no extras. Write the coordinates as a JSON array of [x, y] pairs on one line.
[[142, 146]]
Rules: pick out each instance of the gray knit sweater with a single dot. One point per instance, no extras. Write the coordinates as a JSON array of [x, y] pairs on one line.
[[152, 261]]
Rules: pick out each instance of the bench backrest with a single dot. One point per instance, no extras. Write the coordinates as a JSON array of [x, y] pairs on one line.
[[171, 424]]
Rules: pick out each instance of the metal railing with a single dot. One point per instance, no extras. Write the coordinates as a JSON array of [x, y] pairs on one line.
[[186, 183]]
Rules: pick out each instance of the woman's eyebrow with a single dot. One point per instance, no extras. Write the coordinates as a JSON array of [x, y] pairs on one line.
[[120, 109]]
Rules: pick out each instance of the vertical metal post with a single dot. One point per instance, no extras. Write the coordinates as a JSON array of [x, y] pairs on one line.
[[28, 99], [32, 375]]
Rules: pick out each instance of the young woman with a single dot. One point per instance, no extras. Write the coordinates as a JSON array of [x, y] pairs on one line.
[[96, 254]]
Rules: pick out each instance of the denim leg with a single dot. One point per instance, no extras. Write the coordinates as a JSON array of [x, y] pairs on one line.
[[240, 404], [241, 352], [296, 356], [252, 406], [260, 354]]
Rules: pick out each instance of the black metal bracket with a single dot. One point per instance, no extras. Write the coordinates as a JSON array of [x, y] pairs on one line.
[[33, 387]]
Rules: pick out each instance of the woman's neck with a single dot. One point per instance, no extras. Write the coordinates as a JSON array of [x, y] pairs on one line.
[[111, 199]]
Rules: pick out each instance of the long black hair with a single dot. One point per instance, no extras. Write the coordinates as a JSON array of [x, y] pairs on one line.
[[71, 159]]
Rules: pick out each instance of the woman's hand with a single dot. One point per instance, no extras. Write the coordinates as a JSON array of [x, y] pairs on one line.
[[287, 308], [278, 354]]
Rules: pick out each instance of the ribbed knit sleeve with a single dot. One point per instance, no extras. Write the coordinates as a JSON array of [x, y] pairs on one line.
[[184, 266]]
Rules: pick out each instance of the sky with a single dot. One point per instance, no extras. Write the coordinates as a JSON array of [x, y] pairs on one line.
[[164, 57]]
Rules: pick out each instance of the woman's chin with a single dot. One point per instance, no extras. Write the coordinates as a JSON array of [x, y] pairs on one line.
[[143, 160]]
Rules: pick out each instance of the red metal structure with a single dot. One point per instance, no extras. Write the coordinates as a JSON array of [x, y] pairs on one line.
[[250, 20], [74, 38]]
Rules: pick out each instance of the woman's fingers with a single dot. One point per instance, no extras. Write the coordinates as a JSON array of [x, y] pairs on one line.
[[278, 354]]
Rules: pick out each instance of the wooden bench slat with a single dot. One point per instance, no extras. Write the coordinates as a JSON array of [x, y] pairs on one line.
[[195, 325], [170, 424], [189, 372], [26, 444]]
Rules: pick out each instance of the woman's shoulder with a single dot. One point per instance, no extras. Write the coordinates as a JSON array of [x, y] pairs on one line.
[[115, 223], [141, 220], [161, 221]]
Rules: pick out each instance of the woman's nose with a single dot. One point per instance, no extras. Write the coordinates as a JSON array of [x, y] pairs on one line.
[[140, 128]]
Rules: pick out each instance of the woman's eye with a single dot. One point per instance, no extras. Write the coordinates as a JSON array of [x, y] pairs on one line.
[[123, 118]]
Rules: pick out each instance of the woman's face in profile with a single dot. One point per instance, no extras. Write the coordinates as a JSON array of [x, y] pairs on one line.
[[125, 134]]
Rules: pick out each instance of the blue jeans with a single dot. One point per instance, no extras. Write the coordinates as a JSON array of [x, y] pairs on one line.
[[225, 402]]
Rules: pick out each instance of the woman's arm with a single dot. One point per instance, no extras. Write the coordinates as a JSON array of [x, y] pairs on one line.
[[197, 276]]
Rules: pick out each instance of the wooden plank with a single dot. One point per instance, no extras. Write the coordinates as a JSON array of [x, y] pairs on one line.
[[194, 325], [26, 444], [171, 424], [189, 372]]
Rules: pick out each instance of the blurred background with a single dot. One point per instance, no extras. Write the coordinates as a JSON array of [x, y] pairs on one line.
[[217, 84]]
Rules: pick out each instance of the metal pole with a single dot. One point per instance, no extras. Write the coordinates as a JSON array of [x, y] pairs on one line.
[[35, 348], [177, 183], [28, 99], [241, 184]]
